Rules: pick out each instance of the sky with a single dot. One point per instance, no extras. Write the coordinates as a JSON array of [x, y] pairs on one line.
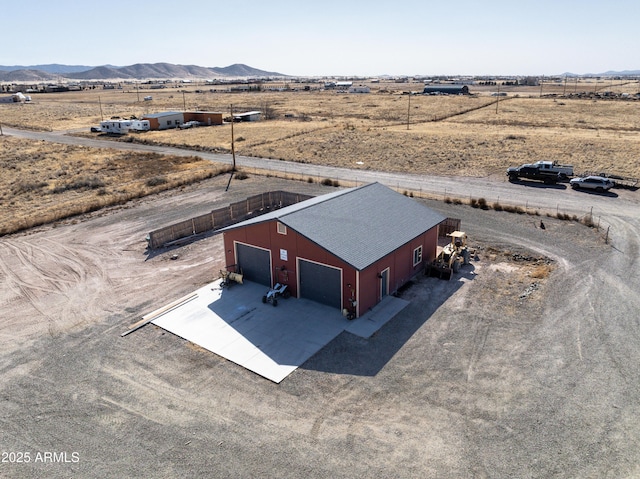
[[330, 38]]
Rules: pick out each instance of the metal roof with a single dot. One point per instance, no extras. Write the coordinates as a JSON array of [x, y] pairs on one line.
[[358, 225], [162, 114]]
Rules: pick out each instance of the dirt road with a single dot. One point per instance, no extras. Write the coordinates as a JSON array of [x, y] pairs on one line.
[[493, 374]]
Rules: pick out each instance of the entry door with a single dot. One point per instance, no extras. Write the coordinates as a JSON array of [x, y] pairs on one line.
[[384, 283]]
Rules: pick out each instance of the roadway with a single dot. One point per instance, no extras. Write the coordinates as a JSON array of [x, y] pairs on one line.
[[528, 195]]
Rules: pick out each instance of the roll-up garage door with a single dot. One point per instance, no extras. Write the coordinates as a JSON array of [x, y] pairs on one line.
[[255, 263], [320, 283]]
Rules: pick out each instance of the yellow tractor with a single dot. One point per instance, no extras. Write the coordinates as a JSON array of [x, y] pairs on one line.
[[450, 257]]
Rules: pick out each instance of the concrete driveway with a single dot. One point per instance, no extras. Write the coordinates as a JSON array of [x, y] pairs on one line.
[[270, 341]]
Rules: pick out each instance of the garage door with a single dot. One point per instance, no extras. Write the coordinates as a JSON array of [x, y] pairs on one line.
[[255, 263], [320, 283]]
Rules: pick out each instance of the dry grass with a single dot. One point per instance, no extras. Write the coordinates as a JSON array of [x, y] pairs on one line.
[[41, 183], [340, 130], [384, 130]]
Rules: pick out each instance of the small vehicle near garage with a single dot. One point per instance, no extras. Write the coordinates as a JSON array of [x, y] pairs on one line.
[[597, 183], [96, 129], [278, 291]]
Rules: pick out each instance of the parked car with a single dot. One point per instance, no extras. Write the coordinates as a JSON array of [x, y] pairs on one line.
[[597, 183], [96, 129]]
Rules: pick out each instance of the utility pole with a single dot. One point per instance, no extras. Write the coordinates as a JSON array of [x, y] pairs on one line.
[[409, 111], [498, 98], [100, 103], [233, 150]]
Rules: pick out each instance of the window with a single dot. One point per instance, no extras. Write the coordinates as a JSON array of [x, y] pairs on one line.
[[417, 255], [282, 229]]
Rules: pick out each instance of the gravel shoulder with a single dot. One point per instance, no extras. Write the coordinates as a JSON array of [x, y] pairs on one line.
[[497, 373]]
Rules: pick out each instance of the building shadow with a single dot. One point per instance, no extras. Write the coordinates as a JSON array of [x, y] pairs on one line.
[[350, 354]]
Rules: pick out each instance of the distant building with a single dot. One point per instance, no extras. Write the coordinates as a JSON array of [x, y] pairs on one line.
[[248, 116], [206, 118], [446, 89], [165, 120], [360, 89], [173, 119], [121, 127]]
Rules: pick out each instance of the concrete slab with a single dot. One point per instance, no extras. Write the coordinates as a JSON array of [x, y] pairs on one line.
[[367, 324], [270, 341]]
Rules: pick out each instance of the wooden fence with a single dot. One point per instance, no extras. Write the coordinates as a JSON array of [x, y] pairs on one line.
[[222, 217], [448, 226]]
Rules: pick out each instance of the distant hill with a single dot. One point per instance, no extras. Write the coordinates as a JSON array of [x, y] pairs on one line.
[[610, 73], [54, 68], [139, 71], [31, 76]]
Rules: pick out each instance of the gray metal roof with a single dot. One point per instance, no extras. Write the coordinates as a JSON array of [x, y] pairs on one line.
[[359, 225], [162, 114]]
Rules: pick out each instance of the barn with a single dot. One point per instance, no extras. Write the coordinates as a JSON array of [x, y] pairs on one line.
[[446, 89], [347, 249], [204, 117]]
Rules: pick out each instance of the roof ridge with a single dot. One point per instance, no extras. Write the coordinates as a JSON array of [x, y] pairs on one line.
[[339, 194]]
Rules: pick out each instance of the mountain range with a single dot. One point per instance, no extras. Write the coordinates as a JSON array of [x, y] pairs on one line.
[[139, 71]]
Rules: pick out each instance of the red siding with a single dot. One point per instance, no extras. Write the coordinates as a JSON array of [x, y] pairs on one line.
[[207, 117], [365, 285]]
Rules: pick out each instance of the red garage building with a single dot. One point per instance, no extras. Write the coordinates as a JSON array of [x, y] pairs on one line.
[[347, 249]]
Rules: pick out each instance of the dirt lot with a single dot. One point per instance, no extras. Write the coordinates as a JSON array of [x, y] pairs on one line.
[[522, 366]]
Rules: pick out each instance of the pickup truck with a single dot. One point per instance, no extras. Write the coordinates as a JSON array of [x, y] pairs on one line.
[[533, 172], [564, 171]]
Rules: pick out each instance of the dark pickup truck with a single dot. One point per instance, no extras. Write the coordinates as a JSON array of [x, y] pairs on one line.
[[532, 172]]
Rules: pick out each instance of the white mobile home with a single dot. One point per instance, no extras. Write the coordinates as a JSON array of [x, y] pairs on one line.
[[121, 127], [360, 89]]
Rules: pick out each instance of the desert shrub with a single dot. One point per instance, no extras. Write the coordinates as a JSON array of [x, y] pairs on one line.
[[241, 175], [497, 206], [156, 181], [587, 221], [26, 187], [541, 271], [448, 200], [335, 183], [474, 203], [310, 180], [90, 183], [482, 203], [513, 209]]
